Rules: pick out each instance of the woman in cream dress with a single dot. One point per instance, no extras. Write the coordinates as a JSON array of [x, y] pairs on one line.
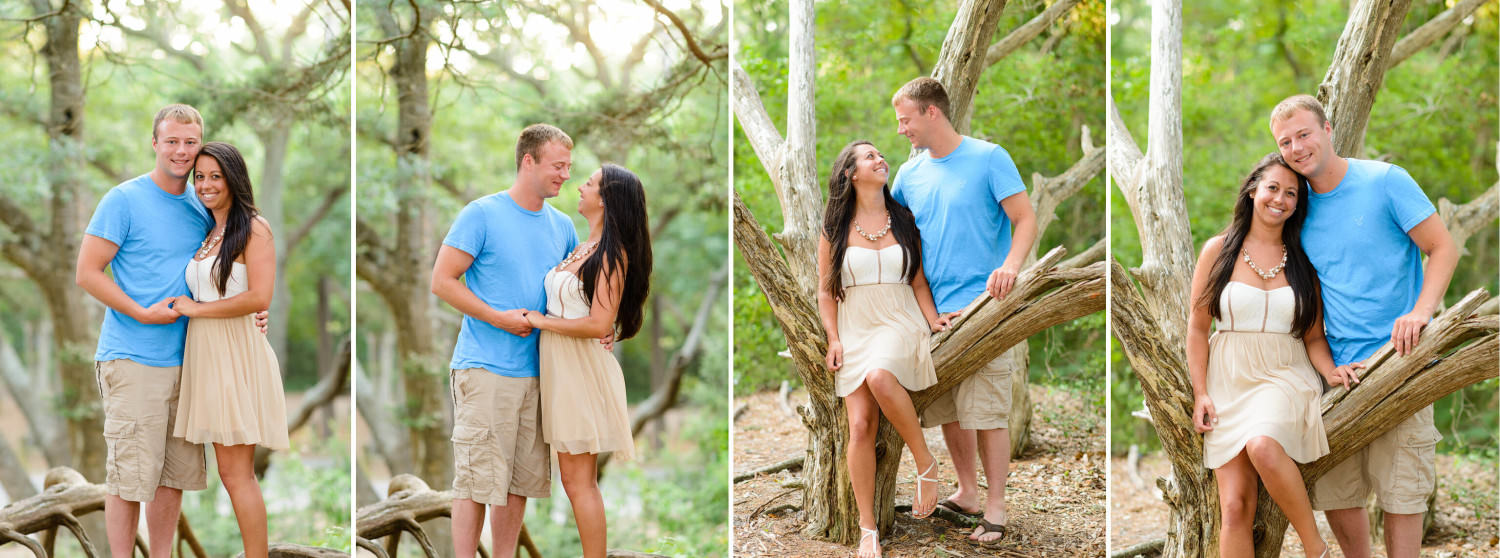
[[597, 291], [231, 383], [878, 314], [1256, 382]]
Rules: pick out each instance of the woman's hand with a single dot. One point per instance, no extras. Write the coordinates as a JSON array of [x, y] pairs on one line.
[[185, 305], [1205, 417], [940, 324], [835, 357], [1346, 375]]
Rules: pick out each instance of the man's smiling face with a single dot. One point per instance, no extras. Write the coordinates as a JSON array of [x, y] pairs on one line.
[[1306, 144], [176, 145]]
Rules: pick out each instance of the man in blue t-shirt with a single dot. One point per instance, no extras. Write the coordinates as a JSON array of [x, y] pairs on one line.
[[144, 231], [1368, 225], [965, 194], [501, 246]]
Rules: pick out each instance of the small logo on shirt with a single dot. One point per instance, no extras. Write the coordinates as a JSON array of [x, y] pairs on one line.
[[1359, 221]]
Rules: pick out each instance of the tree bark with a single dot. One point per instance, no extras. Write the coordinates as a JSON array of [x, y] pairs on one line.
[[963, 57], [1358, 70], [1027, 31], [399, 272]]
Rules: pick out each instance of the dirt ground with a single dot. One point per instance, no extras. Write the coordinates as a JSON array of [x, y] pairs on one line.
[[1055, 492], [1465, 524]]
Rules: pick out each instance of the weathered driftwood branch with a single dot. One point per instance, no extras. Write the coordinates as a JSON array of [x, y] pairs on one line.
[[409, 504], [1027, 31], [1463, 221], [788, 465], [1429, 32], [1358, 70], [962, 58]]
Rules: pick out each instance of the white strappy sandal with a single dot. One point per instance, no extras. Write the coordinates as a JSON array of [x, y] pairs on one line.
[[867, 533], [918, 501]]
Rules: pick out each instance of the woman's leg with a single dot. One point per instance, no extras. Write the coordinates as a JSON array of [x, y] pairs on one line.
[[864, 418], [895, 404], [237, 470], [580, 480], [1284, 482], [1237, 486]]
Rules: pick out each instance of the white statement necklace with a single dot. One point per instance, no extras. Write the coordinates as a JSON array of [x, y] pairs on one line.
[[1264, 274], [878, 234], [579, 253], [209, 243]]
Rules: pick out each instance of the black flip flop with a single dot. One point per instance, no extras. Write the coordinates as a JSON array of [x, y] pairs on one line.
[[952, 506], [990, 528]]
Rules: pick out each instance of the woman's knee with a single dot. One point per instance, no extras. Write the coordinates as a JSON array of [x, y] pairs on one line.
[[1263, 450], [1237, 510], [862, 428], [881, 380]]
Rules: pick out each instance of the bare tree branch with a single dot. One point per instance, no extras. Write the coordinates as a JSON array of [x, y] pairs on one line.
[[687, 36], [1027, 31], [1431, 31], [329, 199]]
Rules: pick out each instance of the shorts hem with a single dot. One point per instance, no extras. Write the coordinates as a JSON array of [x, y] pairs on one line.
[[992, 424], [1339, 504], [1407, 509]]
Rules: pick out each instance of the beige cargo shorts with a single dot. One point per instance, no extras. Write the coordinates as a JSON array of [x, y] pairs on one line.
[[980, 402], [140, 407], [1399, 467], [497, 438]]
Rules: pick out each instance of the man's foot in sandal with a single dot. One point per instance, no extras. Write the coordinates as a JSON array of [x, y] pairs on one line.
[[953, 506], [988, 533], [926, 499], [869, 543]]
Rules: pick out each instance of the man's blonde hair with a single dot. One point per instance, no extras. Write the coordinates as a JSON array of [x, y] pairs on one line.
[[535, 136], [177, 112], [925, 92], [1291, 105]]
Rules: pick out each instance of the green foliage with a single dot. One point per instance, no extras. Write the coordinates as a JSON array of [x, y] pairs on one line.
[[1032, 102], [1435, 117]]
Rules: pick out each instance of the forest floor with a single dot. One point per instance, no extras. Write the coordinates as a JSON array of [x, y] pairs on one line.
[[1465, 523], [1055, 492]]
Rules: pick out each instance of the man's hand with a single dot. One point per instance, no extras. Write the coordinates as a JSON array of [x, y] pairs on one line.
[[513, 321], [1000, 282], [159, 313], [1408, 329]]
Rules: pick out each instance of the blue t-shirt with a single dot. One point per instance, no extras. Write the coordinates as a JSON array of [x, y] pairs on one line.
[[512, 248], [1371, 271], [156, 233], [956, 200]]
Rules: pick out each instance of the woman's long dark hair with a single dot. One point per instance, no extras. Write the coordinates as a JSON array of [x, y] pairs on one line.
[[1299, 270], [839, 214], [625, 242], [242, 210]]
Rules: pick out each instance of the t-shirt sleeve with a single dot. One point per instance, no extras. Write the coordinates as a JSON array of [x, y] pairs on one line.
[[468, 231], [111, 220], [1407, 203], [1005, 179], [897, 192], [565, 226]]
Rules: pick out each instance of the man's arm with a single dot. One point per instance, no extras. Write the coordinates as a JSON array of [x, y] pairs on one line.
[[93, 256], [1432, 237], [1018, 208], [450, 266]]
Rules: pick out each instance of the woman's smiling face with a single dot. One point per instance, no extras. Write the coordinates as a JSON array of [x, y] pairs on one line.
[[208, 180], [1276, 195]]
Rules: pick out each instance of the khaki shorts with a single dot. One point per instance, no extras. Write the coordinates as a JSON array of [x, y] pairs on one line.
[[1398, 466], [980, 402], [497, 438], [140, 406]]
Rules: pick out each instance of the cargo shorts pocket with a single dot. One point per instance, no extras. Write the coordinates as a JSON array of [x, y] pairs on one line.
[[1415, 462], [471, 469], [122, 459]]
